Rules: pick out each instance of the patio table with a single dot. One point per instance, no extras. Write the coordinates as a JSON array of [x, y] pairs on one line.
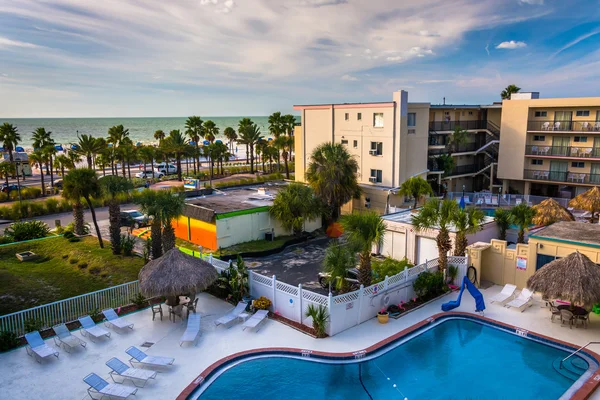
[[578, 311]]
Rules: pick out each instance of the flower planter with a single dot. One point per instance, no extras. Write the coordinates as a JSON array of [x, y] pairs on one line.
[[383, 318], [26, 256]]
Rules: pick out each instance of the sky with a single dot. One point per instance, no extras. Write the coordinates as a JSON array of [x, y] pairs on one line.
[[111, 58]]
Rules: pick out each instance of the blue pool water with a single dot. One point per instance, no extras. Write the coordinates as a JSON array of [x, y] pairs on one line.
[[457, 359]]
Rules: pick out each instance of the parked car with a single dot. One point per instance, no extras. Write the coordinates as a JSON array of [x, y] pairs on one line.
[[58, 183], [9, 188], [351, 277], [166, 169], [133, 218], [149, 174]]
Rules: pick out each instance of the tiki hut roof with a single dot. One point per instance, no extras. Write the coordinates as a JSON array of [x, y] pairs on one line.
[[550, 211], [176, 273], [575, 278], [589, 200]]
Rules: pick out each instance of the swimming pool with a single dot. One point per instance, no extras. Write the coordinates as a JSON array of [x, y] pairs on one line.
[[449, 358]]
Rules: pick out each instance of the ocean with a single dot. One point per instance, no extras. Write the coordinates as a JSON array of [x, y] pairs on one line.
[[64, 130]]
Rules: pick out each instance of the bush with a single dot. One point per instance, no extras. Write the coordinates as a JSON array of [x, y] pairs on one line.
[[429, 284], [319, 317], [139, 300], [95, 270], [3, 196], [74, 240], [388, 267], [28, 230], [68, 234], [262, 303], [51, 206], [73, 260], [8, 340], [33, 324], [36, 209], [82, 265], [127, 244]]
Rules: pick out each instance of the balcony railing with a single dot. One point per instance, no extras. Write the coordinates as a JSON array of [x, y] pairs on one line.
[[451, 125], [565, 126], [563, 151], [559, 176]]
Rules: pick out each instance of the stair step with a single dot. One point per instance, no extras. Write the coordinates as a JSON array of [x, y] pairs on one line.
[[568, 370]]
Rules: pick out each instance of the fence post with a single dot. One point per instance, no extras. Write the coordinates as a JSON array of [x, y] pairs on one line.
[[300, 302], [385, 283], [360, 298], [274, 292], [210, 259], [250, 279]]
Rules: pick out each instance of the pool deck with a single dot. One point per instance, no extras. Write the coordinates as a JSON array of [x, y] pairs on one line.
[[21, 377]]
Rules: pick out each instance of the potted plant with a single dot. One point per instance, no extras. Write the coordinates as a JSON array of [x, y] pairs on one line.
[[319, 319], [383, 316]]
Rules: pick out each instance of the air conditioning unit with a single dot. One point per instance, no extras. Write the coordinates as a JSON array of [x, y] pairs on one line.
[[373, 152], [412, 131], [373, 179]]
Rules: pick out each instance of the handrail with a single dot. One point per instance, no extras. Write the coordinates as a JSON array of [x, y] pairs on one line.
[[575, 352]]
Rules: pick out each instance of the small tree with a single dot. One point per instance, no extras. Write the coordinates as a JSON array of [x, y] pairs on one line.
[[338, 260], [416, 188], [510, 89], [112, 186], [293, 205], [503, 220], [466, 221], [522, 216]]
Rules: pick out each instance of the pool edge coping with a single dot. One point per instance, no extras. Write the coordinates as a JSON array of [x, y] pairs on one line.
[[583, 393]]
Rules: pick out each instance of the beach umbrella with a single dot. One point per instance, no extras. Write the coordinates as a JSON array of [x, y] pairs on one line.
[[192, 143], [574, 277], [550, 211], [58, 147], [176, 273], [206, 143], [334, 230], [589, 201], [74, 147], [218, 141], [269, 139], [19, 149]]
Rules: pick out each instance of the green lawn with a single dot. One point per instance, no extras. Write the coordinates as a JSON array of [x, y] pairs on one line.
[[64, 269], [255, 245]]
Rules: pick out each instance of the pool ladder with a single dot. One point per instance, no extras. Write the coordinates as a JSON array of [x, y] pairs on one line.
[[575, 352]]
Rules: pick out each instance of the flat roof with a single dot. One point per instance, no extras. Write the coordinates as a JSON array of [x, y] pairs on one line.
[[405, 217], [345, 105], [568, 231]]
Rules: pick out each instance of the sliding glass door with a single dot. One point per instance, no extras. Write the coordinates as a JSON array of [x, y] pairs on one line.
[[562, 120], [595, 173], [558, 170], [560, 145]]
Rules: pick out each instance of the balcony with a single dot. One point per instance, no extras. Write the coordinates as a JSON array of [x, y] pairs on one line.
[[582, 152], [556, 176], [451, 125], [564, 126]]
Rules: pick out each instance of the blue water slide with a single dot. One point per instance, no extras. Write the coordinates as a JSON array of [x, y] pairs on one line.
[[466, 283]]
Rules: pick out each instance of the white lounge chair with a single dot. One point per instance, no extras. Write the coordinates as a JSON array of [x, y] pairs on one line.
[[522, 301], [232, 316], [89, 328], [192, 332], [507, 292], [63, 337], [255, 320], [142, 358], [112, 319], [124, 371], [37, 348], [111, 390]]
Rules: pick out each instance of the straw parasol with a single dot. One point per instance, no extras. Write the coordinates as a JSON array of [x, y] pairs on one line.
[[550, 211], [176, 273], [589, 201], [575, 278], [335, 230]]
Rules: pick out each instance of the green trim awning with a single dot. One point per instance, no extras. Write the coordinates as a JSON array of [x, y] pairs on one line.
[[573, 242], [242, 212]]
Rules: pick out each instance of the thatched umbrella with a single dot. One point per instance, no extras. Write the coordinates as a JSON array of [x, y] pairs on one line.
[[550, 211], [176, 273], [589, 201], [575, 278]]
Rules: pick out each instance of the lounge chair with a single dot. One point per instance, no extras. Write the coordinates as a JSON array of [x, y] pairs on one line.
[[37, 348], [507, 292], [232, 316], [112, 319], [522, 301], [143, 358], [89, 328], [192, 331], [122, 370], [254, 321], [100, 386], [63, 337]]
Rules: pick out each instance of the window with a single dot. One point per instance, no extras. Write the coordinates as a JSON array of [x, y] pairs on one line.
[[577, 164], [537, 162], [347, 116], [344, 142], [376, 149], [539, 114], [359, 116], [539, 138], [582, 113], [356, 144], [470, 112], [580, 139], [376, 176], [412, 119], [447, 113], [378, 120]]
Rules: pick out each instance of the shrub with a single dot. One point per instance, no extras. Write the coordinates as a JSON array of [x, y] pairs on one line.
[[27, 230], [33, 324], [68, 234], [31, 192], [319, 317], [82, 265], [74, 240], [8, 340], [3, 196], [127, 244], [51, 206], [65, 205], [96, 315], [95, 270], [139, 300], [73, 260], [429, 284], [5, 240], [36, 209], [262, 303], [388, 267]]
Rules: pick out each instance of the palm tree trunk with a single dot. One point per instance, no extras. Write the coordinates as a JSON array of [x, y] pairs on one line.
[[42, 179], [251, 159], [114, 210], [152, 166], [89, 160], [123, 166], [78, 218], [444, 245], [89, 202], [365, 275], [51, 173], [168, 237], [10, 158], [287, 168], [178, 157], [129, 168], [156, 236], [461, 244], [521, 236]]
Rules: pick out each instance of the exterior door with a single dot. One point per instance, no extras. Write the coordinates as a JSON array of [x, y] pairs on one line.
[[560, 145], [595, 173], [596, 150], [564, 118], [558, 171]]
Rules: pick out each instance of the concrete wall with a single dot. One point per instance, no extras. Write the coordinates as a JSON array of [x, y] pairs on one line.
[[497, 264]]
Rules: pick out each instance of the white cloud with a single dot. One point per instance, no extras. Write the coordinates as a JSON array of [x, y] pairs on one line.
[[349, 78], [6, 42], [394, 58], [534, 2], [574, 42], [487, 49], [511, 45]]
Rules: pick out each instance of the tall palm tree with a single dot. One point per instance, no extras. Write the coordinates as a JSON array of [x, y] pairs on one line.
[[87, 146], [332, 173], [10, 138], [128, 153], [39, 157], [243, 125], [338, 260], [436, 214], [522, 216], [176, 144], [364, 230], [74, 158], [293, 205], [159, 135], [262, 151], [458, 137], [79, 183], [42, 139], [503, 219], [63, 162], [510, 89], [250, 135], [171, 205], [221, 154], [118, 135], [193, 128], [289, 124], [50, 152], [276, 129], [416, 188], [112, 186], [148, 154], [467, 222], [150, 206], [6, 170], [231, 136], [210, 131]]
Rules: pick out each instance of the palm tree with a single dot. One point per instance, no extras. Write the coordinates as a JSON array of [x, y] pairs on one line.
[[6, 170], [503, 220], [338, 260], [39, 157], [466, 222], [41, 139], [49, 152], [262, 149], [112, 186], [175, 143], [87, 146], [364, 230], [436, 214], [159, 135], [221, 154], [118, 135], [210, 131], [522, 216], [458, 137], [332, 173], [510, 89], [128, 153], [63, 162], [150, 206], [293, 205], [79, 183], [148, 154], [249, 135], [193, 128], [284, 144], [289, 124], [416, 188], [231, 136], [10, 138], [171, 206], [243, 126], [74, 158], [276, 129]]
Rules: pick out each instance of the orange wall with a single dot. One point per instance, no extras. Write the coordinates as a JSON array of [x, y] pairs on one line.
[[199, 232]]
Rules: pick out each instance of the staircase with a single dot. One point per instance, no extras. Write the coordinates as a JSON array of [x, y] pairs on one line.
[[572, 368], [494, 130]]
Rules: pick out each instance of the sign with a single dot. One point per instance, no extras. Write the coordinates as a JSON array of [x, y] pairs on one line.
[[349, 305], [521, 263], [190, 183]]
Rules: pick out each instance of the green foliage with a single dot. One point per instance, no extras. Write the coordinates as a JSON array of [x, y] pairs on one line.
[[96, 315], [388, 267], [234, 280], [466, 221], [429, 284], [127, 244], [415, 187], [452, 272], [139, 300], [51, 206], [32, 324], [319, 316], [8, 340], [26, 230], [293, 205], [503, 220], [338, 259], [522, 216], [510, 89]]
